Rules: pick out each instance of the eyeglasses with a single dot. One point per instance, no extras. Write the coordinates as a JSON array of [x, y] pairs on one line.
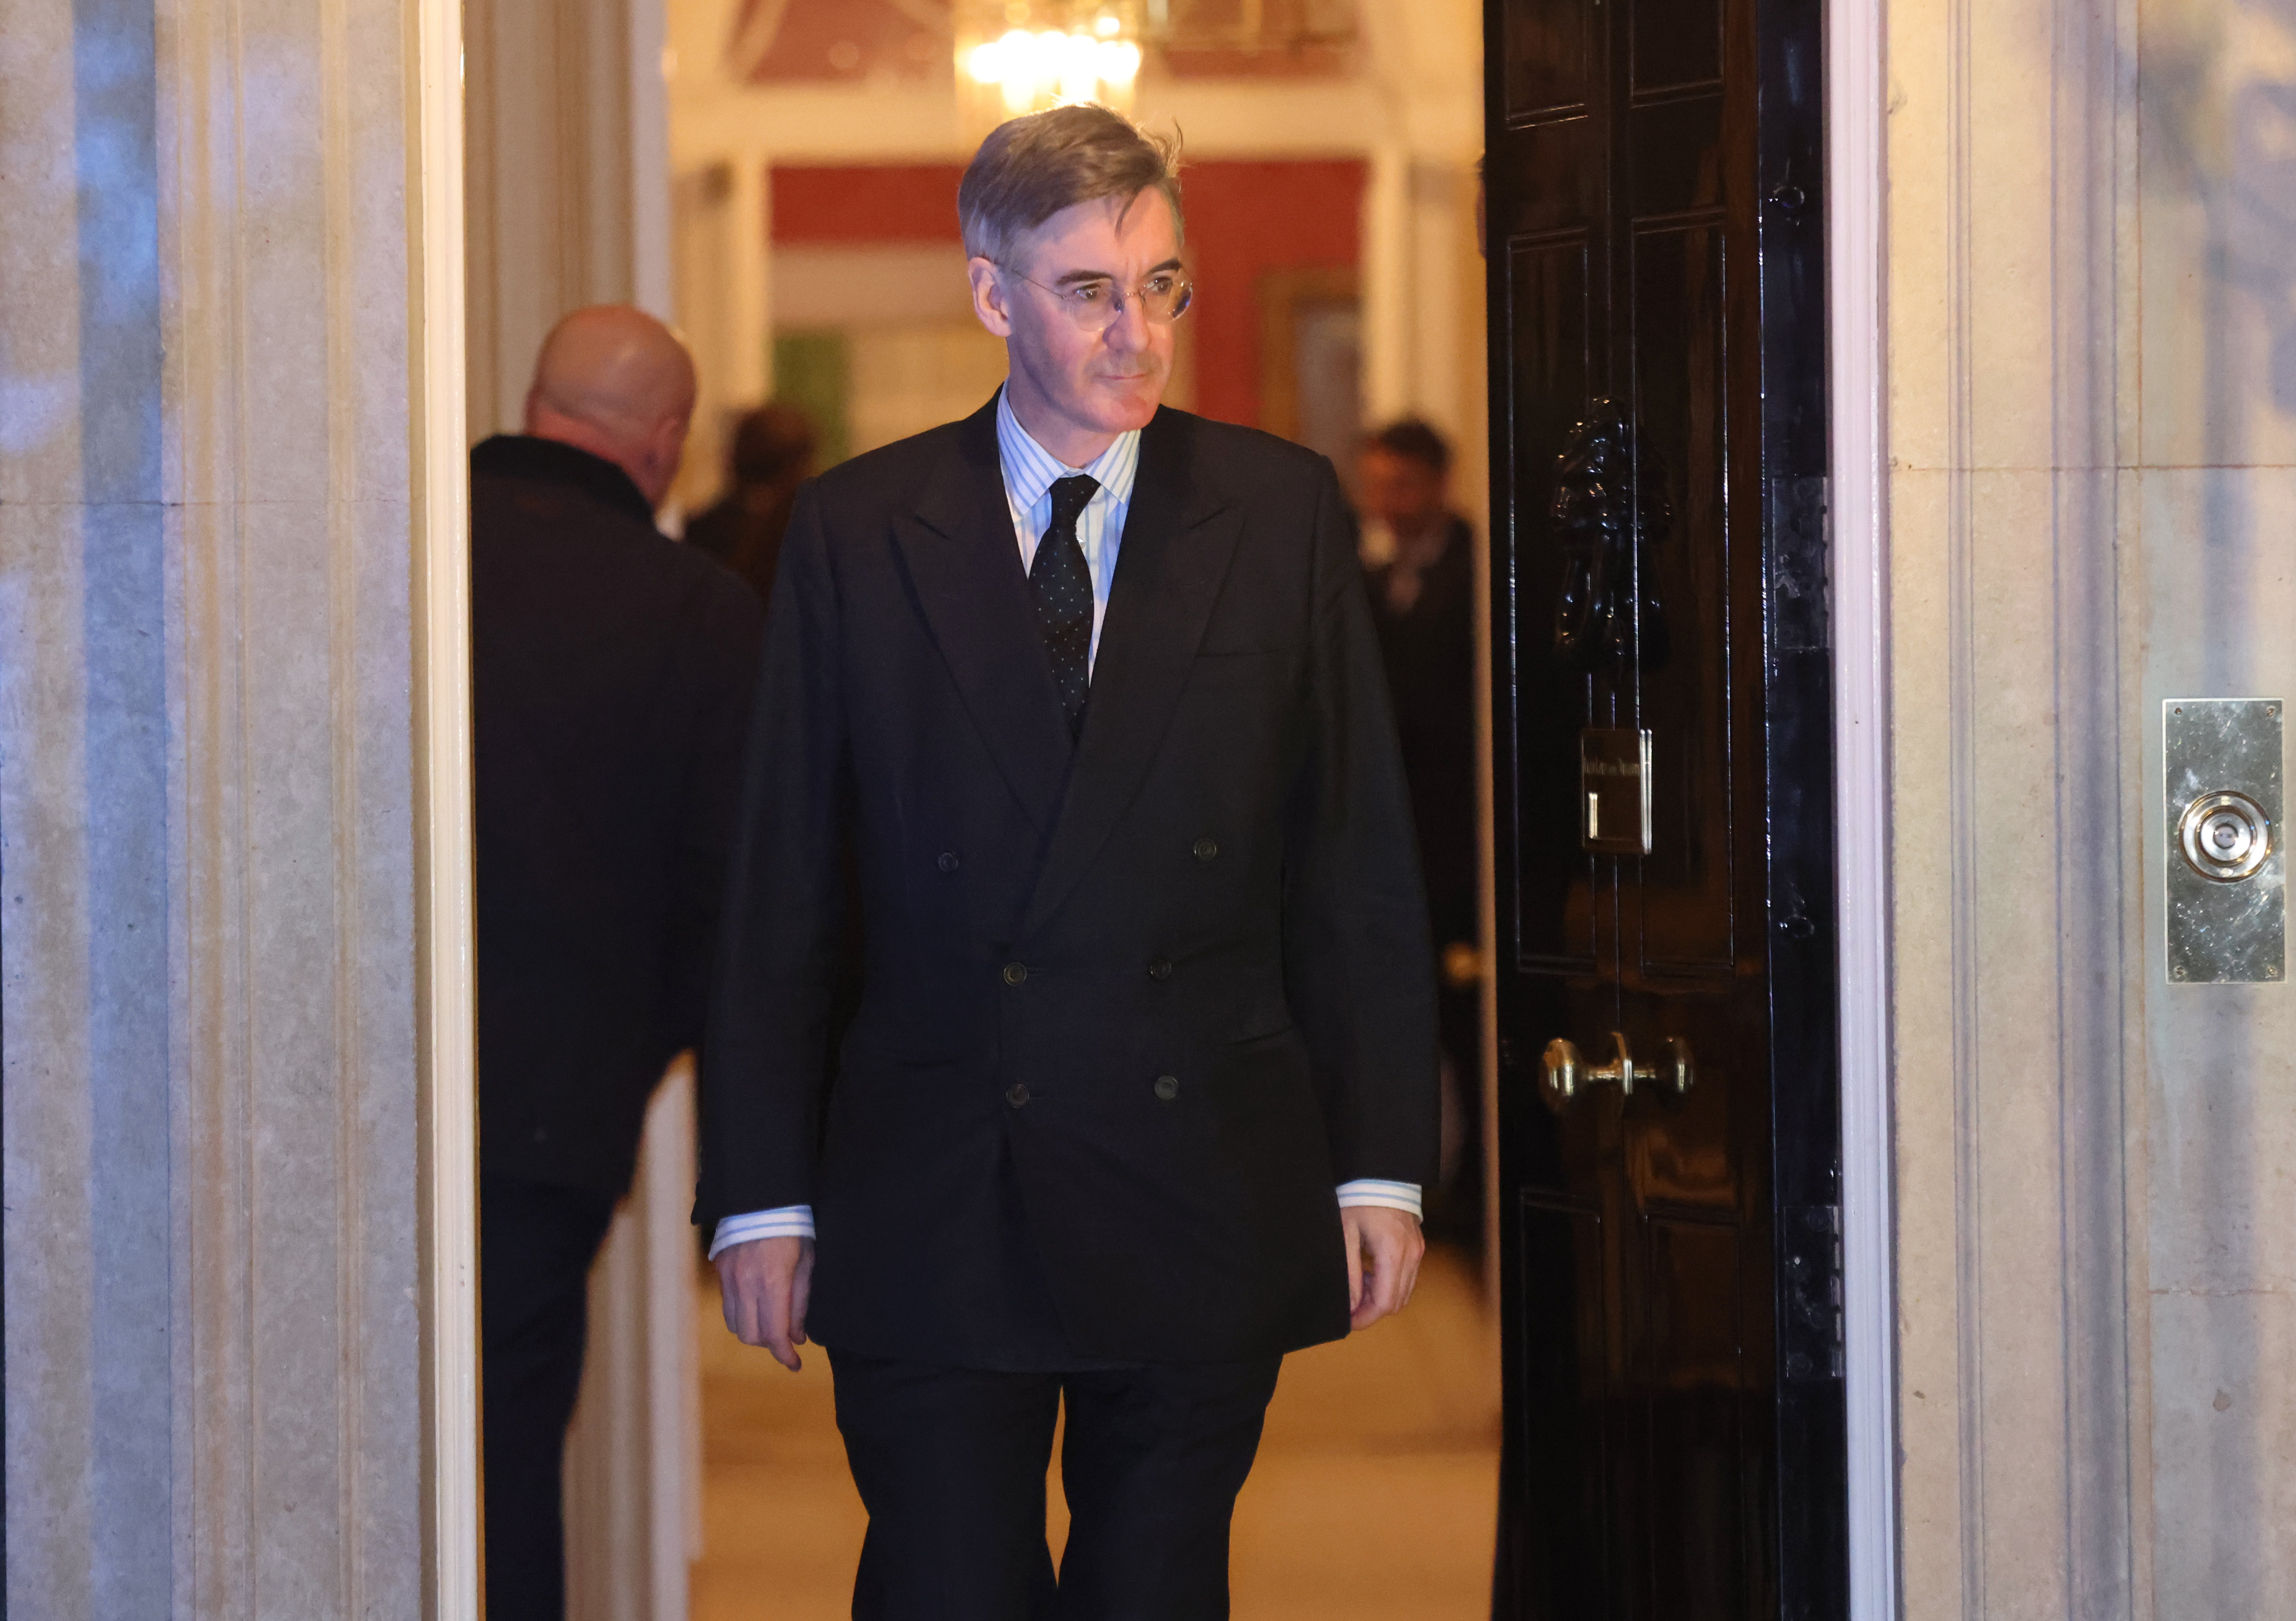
[[1097, 305]]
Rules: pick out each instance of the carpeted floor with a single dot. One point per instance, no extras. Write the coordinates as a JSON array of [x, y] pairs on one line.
[[1373, 1496]]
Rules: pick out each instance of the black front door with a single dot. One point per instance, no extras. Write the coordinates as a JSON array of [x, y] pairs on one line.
[[1668, 1135]]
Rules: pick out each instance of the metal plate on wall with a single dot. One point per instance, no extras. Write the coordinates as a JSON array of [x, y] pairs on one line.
[[2226, 868]]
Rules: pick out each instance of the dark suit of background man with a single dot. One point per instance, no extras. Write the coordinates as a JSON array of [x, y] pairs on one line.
[[1085, 696], [1422, 603], [612, 670]]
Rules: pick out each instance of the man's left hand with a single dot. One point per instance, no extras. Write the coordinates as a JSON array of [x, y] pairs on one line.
[[1384, 1247]]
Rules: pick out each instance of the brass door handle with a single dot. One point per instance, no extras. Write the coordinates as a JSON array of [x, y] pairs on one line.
[[1563, 1072]]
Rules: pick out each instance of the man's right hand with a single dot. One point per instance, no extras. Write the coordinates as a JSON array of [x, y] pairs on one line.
[[765, 1285]]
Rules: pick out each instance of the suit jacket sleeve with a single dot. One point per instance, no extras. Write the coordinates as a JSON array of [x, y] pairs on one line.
[[722, 654], [764, 1057], [1358, 961]]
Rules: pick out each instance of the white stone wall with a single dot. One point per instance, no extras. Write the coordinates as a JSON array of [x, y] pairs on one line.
[[2091, 412], [209, 549], [2017, 794], [2213, 498]]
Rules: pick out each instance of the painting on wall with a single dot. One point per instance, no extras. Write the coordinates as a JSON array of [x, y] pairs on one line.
[[1311, 360]]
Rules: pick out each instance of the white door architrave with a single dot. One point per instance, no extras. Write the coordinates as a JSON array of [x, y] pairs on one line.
[[1856, 192]]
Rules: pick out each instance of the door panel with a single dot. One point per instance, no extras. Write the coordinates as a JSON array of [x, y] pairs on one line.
[[1568, 1383], [1676, 43], [1680, 394], [1698, 1545], [1548, 55], [1655, 268], [1677, 156], [1549, 365]]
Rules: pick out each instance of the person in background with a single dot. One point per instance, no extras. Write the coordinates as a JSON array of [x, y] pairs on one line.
[[611, 670], [1420, 569], [774, 452]]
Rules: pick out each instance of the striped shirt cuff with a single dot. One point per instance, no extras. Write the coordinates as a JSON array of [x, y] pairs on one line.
[[789, 1221], [1391, 1195]]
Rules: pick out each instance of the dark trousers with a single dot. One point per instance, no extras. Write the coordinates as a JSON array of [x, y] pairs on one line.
[[951, 1466], [536, 1244]]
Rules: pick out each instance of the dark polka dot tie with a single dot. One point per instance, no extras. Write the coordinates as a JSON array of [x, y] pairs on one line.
[[1063, 586]]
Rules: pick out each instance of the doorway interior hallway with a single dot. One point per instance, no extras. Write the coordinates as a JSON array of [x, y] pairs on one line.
[[1371, 1498]]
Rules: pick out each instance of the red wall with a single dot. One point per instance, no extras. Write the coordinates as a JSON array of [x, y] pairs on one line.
[[1244, 219], [908, 203]]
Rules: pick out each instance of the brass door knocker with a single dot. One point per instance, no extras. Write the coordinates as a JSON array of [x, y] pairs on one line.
[[1611, 510]]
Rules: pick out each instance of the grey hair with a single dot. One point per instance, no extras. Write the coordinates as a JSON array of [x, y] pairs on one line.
[[1031, 167]]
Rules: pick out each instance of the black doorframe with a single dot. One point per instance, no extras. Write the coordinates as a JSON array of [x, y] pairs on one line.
[[1811, 1509], [1812, 1504]]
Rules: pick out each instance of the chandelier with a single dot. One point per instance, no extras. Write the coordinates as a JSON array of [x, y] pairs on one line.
[[1017, 56]]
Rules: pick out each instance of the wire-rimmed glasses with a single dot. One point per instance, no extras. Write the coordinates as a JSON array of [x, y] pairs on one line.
[[1098, 303]]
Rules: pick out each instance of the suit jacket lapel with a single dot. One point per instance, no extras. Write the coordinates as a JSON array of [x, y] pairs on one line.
[[1177, 543], [965, 564]]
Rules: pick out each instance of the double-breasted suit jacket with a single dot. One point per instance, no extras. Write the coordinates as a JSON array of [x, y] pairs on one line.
[[1133, 1005]]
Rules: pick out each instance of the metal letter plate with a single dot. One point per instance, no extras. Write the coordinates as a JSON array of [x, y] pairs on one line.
[[2226, 870], [1614, 792]]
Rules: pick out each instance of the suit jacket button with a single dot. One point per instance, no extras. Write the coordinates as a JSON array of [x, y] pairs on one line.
[[1159, 971], [1016, 973], [1206, 848], [1168, 1087], [1016, 1094], [948, 861]]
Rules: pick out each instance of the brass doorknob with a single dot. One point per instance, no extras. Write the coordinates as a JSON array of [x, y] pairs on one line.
[[1565, 1072], [1559, 1077]]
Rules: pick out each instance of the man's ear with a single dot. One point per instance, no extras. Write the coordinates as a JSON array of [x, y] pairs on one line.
[[989, 296], [662, 449]]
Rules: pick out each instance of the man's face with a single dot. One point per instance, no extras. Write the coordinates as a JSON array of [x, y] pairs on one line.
[[1092, 383], [1401, 492]]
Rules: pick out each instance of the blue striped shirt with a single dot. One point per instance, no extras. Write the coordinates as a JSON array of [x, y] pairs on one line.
[[1031, 471]]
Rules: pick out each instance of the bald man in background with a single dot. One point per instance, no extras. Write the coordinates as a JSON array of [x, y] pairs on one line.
[[612, 670]]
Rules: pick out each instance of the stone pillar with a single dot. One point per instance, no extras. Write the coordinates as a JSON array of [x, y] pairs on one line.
[[2092, 416], [219, 1025], [2017, 785], [2211, 600]]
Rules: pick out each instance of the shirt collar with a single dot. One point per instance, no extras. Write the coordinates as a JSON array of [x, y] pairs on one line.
[[1030, 469]]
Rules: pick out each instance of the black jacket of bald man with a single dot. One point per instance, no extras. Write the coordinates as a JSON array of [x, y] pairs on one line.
[[1133, 1006], [611, 670]]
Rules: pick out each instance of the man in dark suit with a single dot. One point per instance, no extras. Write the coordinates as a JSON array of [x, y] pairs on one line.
[[611, 671], [1084, 696], [1422, 583]]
